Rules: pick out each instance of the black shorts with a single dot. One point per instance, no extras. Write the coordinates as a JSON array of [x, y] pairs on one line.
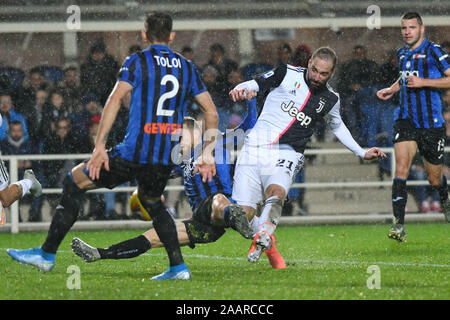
[[430, 142], [200, 228], [151, 179]]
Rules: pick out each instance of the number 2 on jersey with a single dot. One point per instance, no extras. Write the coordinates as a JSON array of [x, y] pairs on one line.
[[160, 111]]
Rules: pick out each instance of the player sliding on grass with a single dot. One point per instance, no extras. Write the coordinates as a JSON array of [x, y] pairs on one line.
[[161, 83], [424, 69], [210, 202], [273, 151]]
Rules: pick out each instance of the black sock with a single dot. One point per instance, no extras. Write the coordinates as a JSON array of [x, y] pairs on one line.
[[166, 229], [65, 216], [442, 189], [126, 249], [399, 198]]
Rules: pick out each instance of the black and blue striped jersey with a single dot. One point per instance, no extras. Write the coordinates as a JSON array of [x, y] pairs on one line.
[[222, 182], [162, 82], [422, 106]]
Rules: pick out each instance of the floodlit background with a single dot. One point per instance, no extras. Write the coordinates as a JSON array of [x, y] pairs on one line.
[[256, 36]]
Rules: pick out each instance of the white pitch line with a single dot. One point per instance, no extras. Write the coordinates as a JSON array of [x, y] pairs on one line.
[[304, 261], [400, 264]]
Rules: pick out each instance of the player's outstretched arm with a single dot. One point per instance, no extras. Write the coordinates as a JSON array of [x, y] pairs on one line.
[[341, 132], [387, 93], [99, 156], [374, 153], [245, 90], [206, 163]]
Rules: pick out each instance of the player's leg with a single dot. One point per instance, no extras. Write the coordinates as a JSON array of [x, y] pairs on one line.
[[229, 215], [190, 232], [127, 249], [267, 222], [150, 188], [74, 186], [439, 182], [9, 193], [404, 155], [247, 188], [276, 185], [431, 147]]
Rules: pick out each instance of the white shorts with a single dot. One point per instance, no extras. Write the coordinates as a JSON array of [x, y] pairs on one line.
[[4, 177], [259, 167]]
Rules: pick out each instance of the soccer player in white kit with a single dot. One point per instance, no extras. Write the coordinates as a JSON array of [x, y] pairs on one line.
[[273, 150], [12, 192]]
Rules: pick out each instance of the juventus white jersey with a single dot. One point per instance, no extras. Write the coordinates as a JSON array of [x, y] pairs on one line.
[[292, 109]]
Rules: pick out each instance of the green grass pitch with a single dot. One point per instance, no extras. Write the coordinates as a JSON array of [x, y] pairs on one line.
[[324, 262]]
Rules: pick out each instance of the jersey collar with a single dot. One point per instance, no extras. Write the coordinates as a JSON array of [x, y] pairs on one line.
[[422, 45], [159, 46]]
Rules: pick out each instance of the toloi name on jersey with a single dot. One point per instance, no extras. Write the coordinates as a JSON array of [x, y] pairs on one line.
[[294, 112], [166, 62]]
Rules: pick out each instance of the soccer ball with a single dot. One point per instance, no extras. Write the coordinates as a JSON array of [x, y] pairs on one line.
[[136, 206]]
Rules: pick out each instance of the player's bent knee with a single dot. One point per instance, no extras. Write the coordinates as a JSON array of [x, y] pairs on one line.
[[80, 177], [435, 181], [275, 190], [5, 198], [220, 201], [199, 232]]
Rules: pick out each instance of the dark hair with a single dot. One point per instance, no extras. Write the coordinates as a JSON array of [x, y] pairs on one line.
[[63, 118], [285, 47], [217, 47], [35, 70], [56, 91], [413, 15], [15, 122], [70, 68], [326, 53], [134, 48], [359, 47], [6, 93], [158, 26], [98, 46]]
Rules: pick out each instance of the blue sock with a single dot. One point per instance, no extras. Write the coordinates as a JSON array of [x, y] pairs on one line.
[[226, 216], [47, 255], [179, 267]]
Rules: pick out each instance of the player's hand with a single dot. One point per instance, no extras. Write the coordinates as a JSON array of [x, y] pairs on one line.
[[241, 94], [206, 165], [385, 94], [415, 82], [98, 159], [374, 153]]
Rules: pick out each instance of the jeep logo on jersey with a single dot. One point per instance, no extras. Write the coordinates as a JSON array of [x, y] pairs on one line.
[[293, 112]]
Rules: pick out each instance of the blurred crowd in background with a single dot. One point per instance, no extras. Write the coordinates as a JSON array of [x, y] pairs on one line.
[[55, 110]]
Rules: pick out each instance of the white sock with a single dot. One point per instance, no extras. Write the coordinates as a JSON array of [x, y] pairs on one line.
[[270, 214], [254, 224], [26, 185]]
